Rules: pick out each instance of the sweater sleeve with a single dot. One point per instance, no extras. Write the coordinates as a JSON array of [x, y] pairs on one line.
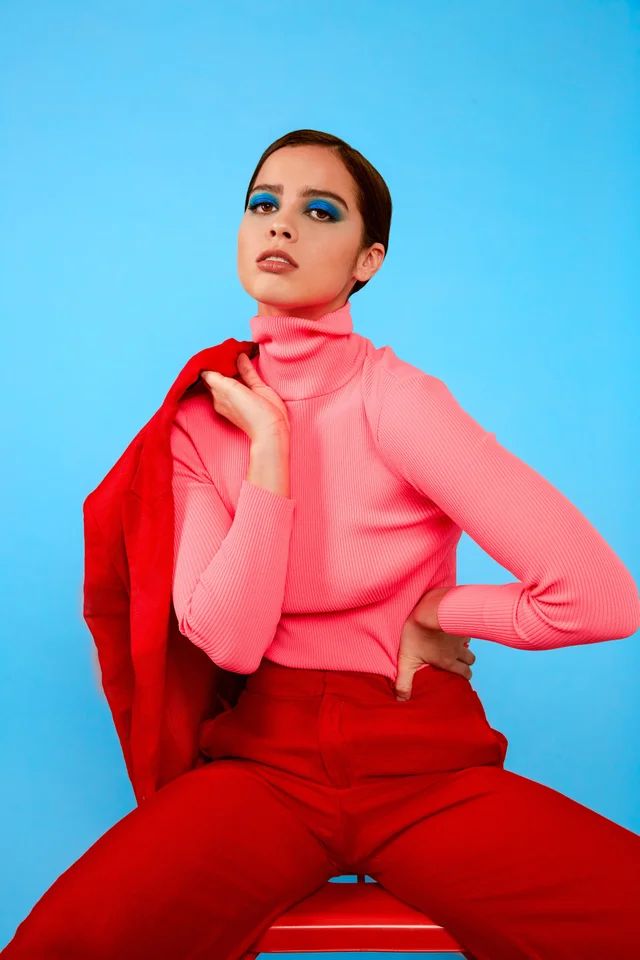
[[229, 572], [571, 588]]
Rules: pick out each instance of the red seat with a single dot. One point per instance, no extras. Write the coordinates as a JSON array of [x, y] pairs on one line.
[[357, 916]]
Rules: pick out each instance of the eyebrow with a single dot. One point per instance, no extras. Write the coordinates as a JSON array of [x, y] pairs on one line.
[[305, 192]]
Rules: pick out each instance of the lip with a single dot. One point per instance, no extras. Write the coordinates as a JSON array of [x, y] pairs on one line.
[[276, 252], [275, 266]]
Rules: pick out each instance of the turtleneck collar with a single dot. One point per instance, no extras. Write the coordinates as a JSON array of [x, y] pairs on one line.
[[307, 358]]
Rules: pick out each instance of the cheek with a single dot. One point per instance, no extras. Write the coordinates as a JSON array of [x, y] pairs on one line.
[[335, 250], [243, 237], [341, 257], [247, 247]]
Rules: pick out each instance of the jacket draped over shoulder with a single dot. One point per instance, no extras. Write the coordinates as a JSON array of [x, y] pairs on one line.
[[160, 687]]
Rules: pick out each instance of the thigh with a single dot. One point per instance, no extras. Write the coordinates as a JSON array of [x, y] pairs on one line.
[[198, 871], [515, 870]]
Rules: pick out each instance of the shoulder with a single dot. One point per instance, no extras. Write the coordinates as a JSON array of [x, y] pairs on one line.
[[390, 382], [193, 411], [191, 432], [415, 414]]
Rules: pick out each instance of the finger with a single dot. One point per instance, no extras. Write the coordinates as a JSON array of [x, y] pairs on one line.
[[247, 370], [463, 669], [212, 378], [403, 687]]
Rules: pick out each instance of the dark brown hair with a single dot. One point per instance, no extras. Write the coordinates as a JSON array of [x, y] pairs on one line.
[[372, 194]]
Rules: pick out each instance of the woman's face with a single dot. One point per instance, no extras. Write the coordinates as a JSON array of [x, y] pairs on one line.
[[321, 233]]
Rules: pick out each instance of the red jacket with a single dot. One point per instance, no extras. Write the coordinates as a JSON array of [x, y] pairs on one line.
[[159, 685]]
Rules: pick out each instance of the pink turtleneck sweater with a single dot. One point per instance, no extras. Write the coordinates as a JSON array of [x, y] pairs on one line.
[[387, 470]]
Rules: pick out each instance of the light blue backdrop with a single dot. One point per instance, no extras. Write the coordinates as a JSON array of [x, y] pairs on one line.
[[508, 135]]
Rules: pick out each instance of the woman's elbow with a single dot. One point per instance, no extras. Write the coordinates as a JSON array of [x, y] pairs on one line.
[[223, 655], [610, 613]]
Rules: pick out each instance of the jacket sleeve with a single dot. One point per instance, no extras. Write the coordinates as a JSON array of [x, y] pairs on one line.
[[106, 612], [229, 572], [571, 588]]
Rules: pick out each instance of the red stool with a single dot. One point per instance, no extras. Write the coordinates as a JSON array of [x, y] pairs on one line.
[[357, 916]]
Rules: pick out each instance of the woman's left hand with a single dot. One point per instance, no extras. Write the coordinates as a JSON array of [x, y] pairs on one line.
[[421, 645]]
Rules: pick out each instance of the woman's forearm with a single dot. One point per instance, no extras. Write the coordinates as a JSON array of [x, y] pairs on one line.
[[269, 462], [230, 565]]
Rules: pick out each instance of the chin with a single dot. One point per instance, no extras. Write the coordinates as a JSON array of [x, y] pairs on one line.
[[277, 292]]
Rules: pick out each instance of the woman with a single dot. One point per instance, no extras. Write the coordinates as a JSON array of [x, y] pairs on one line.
[[316, 497]]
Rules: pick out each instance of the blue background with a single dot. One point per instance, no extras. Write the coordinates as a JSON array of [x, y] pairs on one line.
[[508, 135]]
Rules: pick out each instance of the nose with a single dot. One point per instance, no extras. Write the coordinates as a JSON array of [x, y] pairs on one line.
[[277, 231], [280, 225]]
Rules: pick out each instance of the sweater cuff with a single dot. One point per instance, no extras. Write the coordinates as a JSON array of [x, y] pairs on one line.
[[485, 611], [261, 511]]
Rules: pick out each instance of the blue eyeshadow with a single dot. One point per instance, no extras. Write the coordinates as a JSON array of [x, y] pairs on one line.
[[259, 198]]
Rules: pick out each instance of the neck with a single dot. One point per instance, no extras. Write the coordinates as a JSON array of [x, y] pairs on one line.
[[300, 357]]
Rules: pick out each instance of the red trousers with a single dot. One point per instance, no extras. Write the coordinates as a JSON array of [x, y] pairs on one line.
[[317, 773]]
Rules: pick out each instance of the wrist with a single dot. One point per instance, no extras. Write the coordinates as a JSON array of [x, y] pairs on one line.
[[425, 611], [269, 463]]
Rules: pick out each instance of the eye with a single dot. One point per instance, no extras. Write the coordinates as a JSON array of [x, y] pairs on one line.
[[321, 210], [261, 203]]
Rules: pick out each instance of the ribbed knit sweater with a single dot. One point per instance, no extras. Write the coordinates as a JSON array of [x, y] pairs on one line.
[[387, 471]]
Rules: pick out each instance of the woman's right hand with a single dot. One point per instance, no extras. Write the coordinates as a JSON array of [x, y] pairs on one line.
[[255, 408]]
